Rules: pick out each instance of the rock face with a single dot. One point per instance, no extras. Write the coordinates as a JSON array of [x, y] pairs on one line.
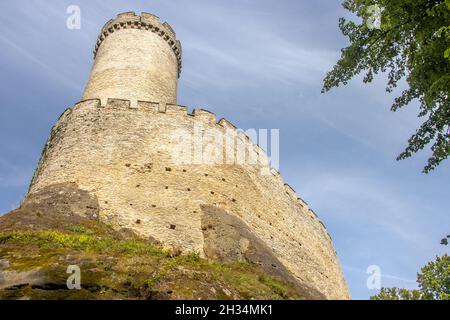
[[59, 227], [168, 176], [227, 238]]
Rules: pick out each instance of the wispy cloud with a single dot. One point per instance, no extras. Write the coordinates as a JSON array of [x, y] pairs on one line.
[[361, 198], [383, 275], [48, 69]]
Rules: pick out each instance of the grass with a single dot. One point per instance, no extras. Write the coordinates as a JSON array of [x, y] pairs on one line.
[[277, 286], [80, 230], [84, 241], [146, 266]]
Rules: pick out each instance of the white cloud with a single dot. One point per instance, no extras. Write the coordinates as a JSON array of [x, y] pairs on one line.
[[364, 199], [401, 280]]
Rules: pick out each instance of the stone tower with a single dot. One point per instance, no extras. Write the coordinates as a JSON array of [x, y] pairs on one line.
[[136, 58], [123, 143]]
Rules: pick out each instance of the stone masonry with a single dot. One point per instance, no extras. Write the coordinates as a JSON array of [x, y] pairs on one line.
[[122, 144]]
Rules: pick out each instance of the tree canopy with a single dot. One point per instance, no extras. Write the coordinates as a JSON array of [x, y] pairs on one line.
[[411, 42], [433, 280]]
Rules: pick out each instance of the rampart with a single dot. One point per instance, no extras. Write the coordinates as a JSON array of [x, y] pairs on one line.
[[123, 152]]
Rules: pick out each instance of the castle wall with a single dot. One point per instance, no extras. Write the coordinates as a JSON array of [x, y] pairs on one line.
[[124, 153], [136, 58]]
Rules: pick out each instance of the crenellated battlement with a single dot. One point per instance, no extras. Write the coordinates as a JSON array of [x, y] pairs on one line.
[[146, 21], [205, 115]]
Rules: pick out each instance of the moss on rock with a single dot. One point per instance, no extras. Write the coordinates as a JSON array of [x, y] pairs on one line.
[[59, 227]]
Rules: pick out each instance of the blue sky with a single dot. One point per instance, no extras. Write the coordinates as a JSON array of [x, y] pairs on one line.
[[260, 64]]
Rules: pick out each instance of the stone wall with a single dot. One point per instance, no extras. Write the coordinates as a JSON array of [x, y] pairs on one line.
[[123, 152], [136, 58]]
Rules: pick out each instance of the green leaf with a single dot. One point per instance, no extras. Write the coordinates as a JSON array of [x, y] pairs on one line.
[[412, 45]]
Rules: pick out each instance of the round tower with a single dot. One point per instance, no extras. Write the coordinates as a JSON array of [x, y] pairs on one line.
[[136, 58]]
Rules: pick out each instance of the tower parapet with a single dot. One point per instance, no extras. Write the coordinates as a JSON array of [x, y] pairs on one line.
[[136, 58]]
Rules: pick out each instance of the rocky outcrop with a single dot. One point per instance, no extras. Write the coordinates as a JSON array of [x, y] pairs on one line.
[[59, 227]]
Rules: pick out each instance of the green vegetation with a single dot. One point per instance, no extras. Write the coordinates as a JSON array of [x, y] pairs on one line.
[[276, 285], [411, 43], [433, 280], [84, 241], [80, 229], [444, 241], [128, 269]]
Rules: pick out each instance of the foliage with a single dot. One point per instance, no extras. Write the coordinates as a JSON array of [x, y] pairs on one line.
[[433, 280], [412, 43], [444, 241], [397, 294]]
